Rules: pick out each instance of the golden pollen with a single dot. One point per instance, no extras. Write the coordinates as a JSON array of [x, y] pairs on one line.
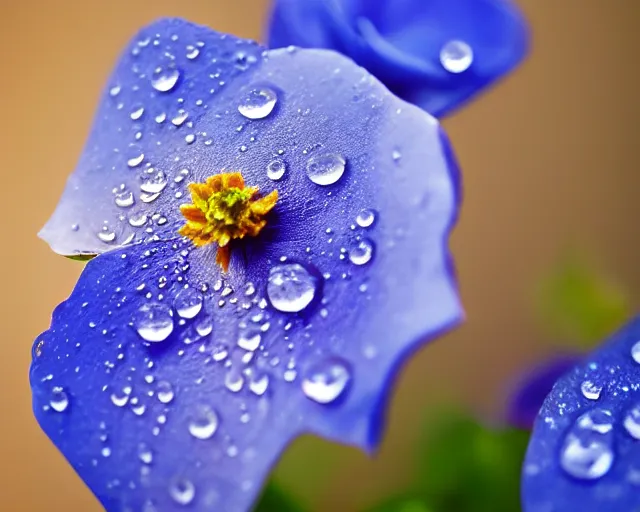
[[222, 209]]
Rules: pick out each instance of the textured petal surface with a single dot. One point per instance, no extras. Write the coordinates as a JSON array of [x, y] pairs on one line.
[[412, 46], [585, 450], [307, 329], [531, 391]]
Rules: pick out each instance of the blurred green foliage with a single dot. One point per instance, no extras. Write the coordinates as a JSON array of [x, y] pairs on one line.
[[275, 499], [464, 466], [578, 304]]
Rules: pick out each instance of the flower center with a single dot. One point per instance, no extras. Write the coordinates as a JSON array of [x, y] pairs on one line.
[[222, 209]]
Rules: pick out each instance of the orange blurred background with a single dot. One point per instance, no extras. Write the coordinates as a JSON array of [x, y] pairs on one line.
[[548, 161]]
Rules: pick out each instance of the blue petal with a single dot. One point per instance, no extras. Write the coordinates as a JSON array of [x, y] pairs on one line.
[[531, 391], [369, 252], [403, 42], [585, 450]]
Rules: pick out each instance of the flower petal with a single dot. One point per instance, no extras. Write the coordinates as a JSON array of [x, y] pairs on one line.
[[306, 330], [412, 46], [585, 451], [159, 394], [531, 391]]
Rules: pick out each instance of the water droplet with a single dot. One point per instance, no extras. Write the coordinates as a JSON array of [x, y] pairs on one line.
[[135, 160], [456, 56], [153, 322], [326, 168], [182, 491], [192, 52], [107, 236], [632, 421], [249, 341], [204, 423], [188, 302], [233, 381], [258, 104], [361, 253], [276, 169], [59, 399], [327, 380], [144, 453], [396, 155], [164, 80], [366, 218], [121, 399], [154, 184], [291, 288], [587, 450], [259, 383], [124, 199], [138, 220], [165, 392], [635, 352], [180, 118], [137, 112], [204, 326], [590, 390]]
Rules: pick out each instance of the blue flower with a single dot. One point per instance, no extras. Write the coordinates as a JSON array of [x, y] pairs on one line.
[[530, 392], [436, 54], [584, 453], [166, 380]]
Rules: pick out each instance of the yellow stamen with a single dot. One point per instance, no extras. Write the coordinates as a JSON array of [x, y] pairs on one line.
[[223, 209]]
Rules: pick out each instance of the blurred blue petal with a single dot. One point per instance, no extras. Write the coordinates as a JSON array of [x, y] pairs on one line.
[[164, 381], [533, 388], [584, 453], [436, 54]]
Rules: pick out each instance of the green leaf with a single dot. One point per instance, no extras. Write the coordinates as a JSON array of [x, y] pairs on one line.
[[580, 305], [468, 467], [275, 499]]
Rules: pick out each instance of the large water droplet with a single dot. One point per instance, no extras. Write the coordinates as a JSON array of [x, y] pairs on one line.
[[326, 168], [366, 218], [249, 341], [590, 390], [258, 103], [165, 392], [188, 302], [635, 352], [154, 184], [587, 451], [59, 399], [204, 423], [456, 56], [164, 80], [124, 199], [153, 322], [182, 491], [362, 252], [144, 453], [632, 421], [325, 381], [276, 169], [291, 288]]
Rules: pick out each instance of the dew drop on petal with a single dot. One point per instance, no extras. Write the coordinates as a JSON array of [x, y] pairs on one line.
[[632, 421], [204, 422], [188, 302], [325, 381], [291, 288], [258, 104], [59, 400], [145, 454], [362, 253], [276, 169], [326, 168], [165, 392], [124, 199], [182, 491], [635, 352], [366, 218], [164, 80], [590, 390], [153, 322], [587, 450], [456, 56], [154, 184]]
